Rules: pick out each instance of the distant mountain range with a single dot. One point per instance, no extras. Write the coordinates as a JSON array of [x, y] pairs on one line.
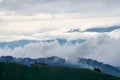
[[57, 61], [22, 43], [98, 29], [61, 41], [104, 29]]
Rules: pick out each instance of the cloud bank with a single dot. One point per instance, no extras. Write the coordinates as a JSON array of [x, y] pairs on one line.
[[102, 48]]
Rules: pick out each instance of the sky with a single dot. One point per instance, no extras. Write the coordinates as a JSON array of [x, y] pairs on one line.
[[35, 19], [50, 19]]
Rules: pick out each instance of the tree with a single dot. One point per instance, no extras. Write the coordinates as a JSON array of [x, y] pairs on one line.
[[97, 69]]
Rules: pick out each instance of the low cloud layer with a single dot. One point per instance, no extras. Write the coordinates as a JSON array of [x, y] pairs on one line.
[[102, 48]]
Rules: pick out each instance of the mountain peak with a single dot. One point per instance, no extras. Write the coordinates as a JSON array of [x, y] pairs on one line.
[[73, 30]]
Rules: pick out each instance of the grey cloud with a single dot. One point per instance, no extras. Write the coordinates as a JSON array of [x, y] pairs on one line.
[[91, 7], [2, 22], [0, 19]]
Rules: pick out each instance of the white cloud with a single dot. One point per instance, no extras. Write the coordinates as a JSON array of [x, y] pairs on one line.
[[35, 19], [50, 28], [115, 34], [102, 48]]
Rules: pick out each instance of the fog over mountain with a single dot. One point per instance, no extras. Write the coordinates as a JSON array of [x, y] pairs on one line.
[[102, 48], [88, 29]]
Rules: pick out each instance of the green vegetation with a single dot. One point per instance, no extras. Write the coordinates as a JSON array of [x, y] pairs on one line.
[[11, 71]]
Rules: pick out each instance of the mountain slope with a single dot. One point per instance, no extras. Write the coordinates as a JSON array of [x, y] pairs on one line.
[[19, 43], [91, 64], [11, 71], [104, 29], [22, 43], [96, 29], [57, 61]]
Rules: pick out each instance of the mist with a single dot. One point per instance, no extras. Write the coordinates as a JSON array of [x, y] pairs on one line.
[[102, 48]]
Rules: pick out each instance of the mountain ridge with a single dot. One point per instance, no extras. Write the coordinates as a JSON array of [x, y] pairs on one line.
[[13, 71], [22, 43], [57, 61]]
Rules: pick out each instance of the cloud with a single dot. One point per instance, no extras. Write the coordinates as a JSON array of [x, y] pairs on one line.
[[88, 7], [27, 18], [102, 48], [115, 34], [46, 19], [37, 31]]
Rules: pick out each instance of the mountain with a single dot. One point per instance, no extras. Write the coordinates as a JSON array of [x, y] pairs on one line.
[[22, 43], [70, 42], [19, 43], [102, 30], [57, 61], [54, 60], [96, 29], [12, 71], [73, 30], [91, 64]]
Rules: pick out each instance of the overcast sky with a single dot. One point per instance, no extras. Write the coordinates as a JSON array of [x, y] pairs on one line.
[[35, 19]]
